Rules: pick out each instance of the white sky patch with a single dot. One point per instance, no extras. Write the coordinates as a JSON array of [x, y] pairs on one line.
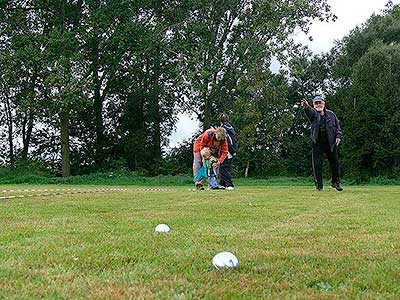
[[187, 125], [350, 13]]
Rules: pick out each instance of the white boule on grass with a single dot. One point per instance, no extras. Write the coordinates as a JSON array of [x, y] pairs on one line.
[[162, 228], [225, 260]]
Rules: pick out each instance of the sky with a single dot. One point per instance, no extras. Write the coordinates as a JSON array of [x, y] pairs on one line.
[[350, 13]]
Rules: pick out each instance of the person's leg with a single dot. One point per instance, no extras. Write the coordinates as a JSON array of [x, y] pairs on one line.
[[213, 181], [317, 163], [334, 167], [333, 164], [222, 173], [197, 164], [229, 174], [226, 169]]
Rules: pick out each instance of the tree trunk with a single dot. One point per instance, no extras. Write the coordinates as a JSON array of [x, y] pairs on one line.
[[155, 110], [156, 125], [10, 129], [246, 172], [97, 105], [157, 91], [207, 112], [65, 151], [64, 119], [65, 112], [98, 98], [26, 135]]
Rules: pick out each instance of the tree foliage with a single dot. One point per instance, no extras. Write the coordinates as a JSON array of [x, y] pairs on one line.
[[366, 78], [97, 84]]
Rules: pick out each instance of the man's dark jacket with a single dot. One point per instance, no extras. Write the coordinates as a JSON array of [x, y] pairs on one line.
[[332, 125], [231, 136]]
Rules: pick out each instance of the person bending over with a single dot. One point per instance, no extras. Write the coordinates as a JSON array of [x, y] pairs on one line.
[[215, 139]]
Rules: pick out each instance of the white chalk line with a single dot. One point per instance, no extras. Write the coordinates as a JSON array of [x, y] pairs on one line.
[[74, 191]]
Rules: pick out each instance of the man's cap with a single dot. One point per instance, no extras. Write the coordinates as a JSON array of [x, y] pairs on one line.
[[318, 98]]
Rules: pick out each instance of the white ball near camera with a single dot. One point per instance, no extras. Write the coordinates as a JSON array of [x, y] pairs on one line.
[[225, 260]]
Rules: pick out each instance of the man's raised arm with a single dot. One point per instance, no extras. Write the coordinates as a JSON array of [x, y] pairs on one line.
[[308, 110]]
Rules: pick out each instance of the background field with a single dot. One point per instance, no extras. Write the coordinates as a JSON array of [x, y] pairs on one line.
[[292, 243]]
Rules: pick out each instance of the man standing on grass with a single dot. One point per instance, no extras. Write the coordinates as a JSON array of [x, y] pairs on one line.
[[326, 136], [226, 166]]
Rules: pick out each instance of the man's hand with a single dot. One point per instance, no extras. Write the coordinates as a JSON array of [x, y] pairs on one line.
[[338, 141], [215, 165], [304, 103]]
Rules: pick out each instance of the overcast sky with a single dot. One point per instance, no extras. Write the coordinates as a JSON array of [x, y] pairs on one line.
[[350, 13]]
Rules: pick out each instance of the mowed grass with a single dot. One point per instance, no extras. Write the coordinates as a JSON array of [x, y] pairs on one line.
[[292, 243]]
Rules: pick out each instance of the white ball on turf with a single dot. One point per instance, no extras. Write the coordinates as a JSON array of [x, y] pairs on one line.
[[162, 228], [225, 260]]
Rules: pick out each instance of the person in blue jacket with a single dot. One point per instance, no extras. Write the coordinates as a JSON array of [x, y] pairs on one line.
[[226, 166]]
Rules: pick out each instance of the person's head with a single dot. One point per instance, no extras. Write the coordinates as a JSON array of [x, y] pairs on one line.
[[205, 152], [224, 118], [319, 103], [220, 133]]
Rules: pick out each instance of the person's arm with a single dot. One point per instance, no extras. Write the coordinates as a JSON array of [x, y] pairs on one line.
[[235, 145], [310, 112], [196, 145], [224, 151], [338, 131]]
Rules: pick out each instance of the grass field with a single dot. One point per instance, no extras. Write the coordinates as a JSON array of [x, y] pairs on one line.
[[292, 243]]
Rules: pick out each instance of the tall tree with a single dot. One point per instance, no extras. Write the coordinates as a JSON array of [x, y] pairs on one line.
[[230, 37], [365, 78], [109, 34], [149, 100], [373, 142]]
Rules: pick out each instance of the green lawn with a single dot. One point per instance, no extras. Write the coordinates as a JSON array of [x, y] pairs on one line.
[[292, 243]]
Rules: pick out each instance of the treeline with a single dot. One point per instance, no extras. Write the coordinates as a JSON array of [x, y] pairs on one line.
[[93, 85], [360, 79]]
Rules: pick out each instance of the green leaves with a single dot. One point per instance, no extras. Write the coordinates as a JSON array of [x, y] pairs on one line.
[[367, 72]]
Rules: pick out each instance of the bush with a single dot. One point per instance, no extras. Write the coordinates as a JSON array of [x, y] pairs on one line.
[[33, 167]]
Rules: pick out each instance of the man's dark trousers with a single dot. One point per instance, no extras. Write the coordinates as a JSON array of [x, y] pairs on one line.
[[226, 170], [318, 151]]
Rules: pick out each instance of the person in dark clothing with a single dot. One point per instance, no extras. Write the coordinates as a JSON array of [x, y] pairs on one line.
[[226, 166], [326, 136]]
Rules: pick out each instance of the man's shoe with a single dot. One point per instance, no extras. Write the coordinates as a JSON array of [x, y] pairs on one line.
[[199, 187], [337, 186], [230, 188], [319, 189]]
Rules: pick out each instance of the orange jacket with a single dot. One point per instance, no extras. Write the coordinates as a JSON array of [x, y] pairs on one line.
[[207, 139]]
